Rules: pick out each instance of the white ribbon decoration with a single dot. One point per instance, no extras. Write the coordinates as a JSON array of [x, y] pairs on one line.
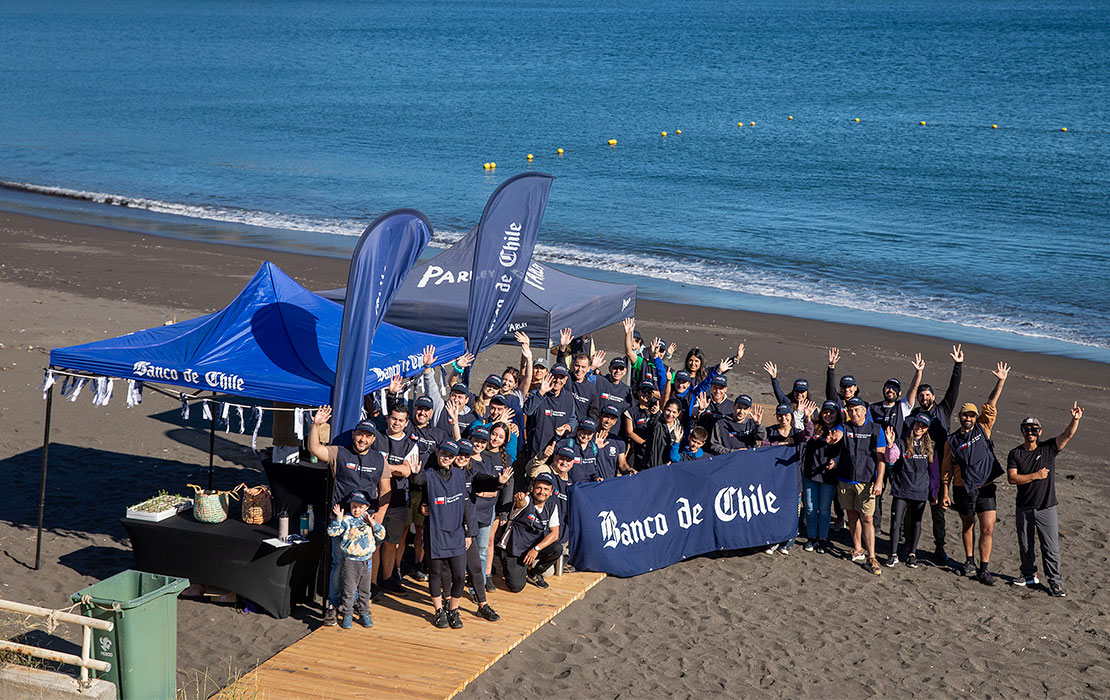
[[75, 390], [298, 423], [224, 407], [134, 393], [256, 416], [47, 382], [205, 410], [239, 413], [184, 407]]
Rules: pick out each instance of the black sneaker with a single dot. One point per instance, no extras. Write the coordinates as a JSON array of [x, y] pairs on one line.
[[962, 569], [490, 585], [487, 612], [911, 561], [375, 591], [330, 618], [822, 547], [454, 620], [985, 577], [440, 618], [393, 585], [940, 557], [537, 581], [1056, 591], [418, 575]]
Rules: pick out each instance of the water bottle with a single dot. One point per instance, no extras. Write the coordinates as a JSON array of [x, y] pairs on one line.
[[311, 519], [283, 526], [304, 525]]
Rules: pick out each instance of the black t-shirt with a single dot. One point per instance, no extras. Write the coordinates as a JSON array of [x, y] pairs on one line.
[[1042, 492]]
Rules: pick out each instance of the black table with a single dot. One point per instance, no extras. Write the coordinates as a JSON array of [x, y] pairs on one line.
[[230, 555]]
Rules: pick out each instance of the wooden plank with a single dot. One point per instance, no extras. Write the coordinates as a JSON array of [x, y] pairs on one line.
[[404, 655]]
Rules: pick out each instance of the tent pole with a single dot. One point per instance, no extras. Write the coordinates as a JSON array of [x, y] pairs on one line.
[[42, 478], [211, 448]]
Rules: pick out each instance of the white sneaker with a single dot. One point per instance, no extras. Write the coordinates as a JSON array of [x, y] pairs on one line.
[[891, 561], [1025, 582], [772, 549]]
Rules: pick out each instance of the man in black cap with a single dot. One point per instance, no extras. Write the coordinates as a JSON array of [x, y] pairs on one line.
[[427, 438], [848, 387], [894, 410], [354, 468], [401, 454], [637, 421], [969, 466], [860, 473], [741, 431], [552, 410], [719, 405], [611, 389], [611, 451], [941, 414], [531, 541], [457, 413], [1032, 467]]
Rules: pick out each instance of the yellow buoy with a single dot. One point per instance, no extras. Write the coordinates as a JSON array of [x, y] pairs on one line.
[[857, 119], [751, 123], [485, 165], [921, 123], [739, 123], [559, 151], [1064, 129], [529, 156], [791, 117], [612, 142], [664, 133], [994, 126], [678, 131], [492, 165]]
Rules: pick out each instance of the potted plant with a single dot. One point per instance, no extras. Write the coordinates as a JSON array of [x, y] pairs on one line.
[[159, 507]]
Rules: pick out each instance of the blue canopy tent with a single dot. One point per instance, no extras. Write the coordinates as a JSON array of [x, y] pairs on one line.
[[276, 341], [436, 294]]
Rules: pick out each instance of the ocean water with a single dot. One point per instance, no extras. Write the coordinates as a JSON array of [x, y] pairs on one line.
[[292, 125]]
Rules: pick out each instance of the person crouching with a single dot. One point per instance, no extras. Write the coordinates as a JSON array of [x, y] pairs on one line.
[[359, 537], [531, 541]]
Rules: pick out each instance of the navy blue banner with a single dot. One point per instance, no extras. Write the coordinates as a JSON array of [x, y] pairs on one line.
[[634, 524], [503, 249], [381, 260]]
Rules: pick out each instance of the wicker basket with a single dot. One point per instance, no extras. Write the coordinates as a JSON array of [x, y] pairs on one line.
[[257, 504], [212, 506]]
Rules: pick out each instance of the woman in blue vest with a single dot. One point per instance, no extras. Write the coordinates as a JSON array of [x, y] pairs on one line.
[[483, 484], [448, 530], [914, 478]]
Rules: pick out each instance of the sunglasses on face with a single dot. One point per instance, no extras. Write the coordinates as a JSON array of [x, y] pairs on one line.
[[1031, 429]]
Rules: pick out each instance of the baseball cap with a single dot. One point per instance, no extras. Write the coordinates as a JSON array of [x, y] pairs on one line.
[[969, 408], [855, 401], [588, 424], [466, 447], [612, 411], [448, 446], [480, 432], [922, 418], [459, 388], [565, 452], [894, 383], [560, 371], [783, 409], [720, 380], [618, 363], [830, 406], [646, 386], [801, 385], [744, 400], [494, 380], [1031, 421], [637, 336], [498, 400], [543, 478], [682, 376], [846, 381], [358, 497], [366, 426], [423, 402]]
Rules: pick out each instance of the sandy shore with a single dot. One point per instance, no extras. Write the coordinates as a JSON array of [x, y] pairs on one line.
[[744, 626]]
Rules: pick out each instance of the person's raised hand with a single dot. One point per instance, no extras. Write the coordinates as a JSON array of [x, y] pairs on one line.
[[545, 384], [739, 352], [725, 365], [429, 356], [322, 415], [394, 384], [808, 407], [563, 429], [597, 360], [771, 369], [565, 337], [337, 511], [834, 357], [465, 361], [889, 432], [1076, 411], [520, 499], [657, 347], [505, 475], [757, 413], [508, 415], [918, 363], [549, 450], [452, 409], [957, 355], [702, 401], [629, 325], [671, 347], [1002, 371]]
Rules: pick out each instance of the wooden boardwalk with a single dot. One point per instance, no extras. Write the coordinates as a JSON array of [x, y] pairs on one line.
[[403, 655]]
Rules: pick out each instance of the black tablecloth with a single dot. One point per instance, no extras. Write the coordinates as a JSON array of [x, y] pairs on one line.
[[230, 555], [295, 486]]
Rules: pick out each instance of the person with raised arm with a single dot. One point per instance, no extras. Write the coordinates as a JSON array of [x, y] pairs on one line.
[[967, 473], [798, 394], [940, 414], [1031, 466], [893, 410]]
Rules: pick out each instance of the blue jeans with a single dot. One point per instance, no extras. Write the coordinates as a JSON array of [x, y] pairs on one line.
[[818, 500], [483, 549]]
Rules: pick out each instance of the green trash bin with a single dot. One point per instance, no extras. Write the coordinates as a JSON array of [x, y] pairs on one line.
[[142, 646]]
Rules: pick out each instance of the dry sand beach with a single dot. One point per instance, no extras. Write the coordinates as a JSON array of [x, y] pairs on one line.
[[802, 625]]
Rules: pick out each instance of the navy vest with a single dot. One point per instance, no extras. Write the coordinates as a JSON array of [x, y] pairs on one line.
[[909, 477], [858, 460], [974, 454], [355, 472], [446, 500], [529, 527]]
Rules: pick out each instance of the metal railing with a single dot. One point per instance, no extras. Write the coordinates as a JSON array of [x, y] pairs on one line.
[[88, 624]]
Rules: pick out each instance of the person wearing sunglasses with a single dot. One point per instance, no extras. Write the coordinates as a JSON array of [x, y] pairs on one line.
[[1031, 466]]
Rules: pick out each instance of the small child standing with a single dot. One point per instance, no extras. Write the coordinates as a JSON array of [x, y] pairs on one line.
[[360, 537]]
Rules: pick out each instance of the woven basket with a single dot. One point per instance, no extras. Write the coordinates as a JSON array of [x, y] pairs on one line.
[[211, 506], [257, 504]]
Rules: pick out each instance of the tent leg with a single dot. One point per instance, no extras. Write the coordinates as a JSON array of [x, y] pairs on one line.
[[211, 448], [42, 478]]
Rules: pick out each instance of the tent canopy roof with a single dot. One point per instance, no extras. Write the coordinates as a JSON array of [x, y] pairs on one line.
[[276, 341]]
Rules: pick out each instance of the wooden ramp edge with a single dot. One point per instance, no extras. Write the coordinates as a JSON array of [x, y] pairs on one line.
[[404, 655]]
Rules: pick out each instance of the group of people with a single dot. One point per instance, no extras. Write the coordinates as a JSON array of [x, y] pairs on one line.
[[475, 476]]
